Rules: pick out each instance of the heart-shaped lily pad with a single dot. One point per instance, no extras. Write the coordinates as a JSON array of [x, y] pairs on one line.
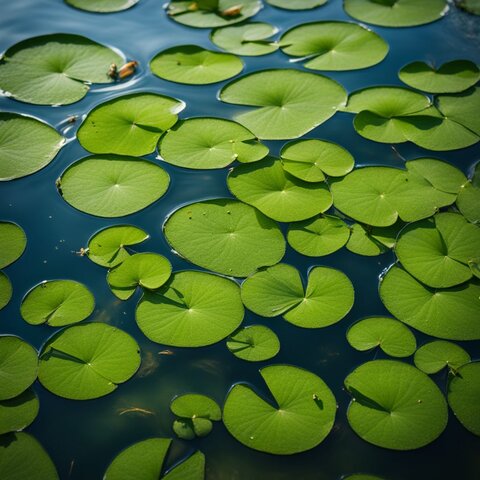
[[18, 412], [372, 241], [435, 356], [254, 343], [13, 241], [297, 4], [6, 290], [102, 6], [301, 416]]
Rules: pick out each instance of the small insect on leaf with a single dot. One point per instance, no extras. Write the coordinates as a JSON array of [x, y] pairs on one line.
[[127, 70], [233, 11], [112, 71]]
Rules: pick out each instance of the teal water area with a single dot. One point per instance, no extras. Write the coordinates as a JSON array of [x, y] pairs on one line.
[[83, 437]]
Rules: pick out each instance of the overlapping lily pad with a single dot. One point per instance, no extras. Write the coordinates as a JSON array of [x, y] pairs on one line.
[[372, 241], [468, 200], [112, 185], [18, 412], [207, 143], [102, 6], [300, 416], [192, 309], [225, 236], [470, 6], [435, 356], [395, 405], [55, 69], [13, 241], [282, 109], [87, 361], [254, 343], [297, 4], [6, 290]]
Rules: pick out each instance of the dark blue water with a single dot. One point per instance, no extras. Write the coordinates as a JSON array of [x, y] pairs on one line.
[[83, 437]]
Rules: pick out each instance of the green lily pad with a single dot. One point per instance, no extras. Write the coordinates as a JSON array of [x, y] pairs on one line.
[[438, 251], [18, 366], [195, 65], [102, 6], [468, 202], [13, 241], [193, 309], [318, 236], [112, 185], [281, 109], [435, 356], [87, 361], [108, 246], [225, 236], [450, 313], [392, 336], [207, 143], [250, 39], [334, 46], [6, 290], [278, 290], [254, 343], [297, 4], [55, 69], [129, 125], [57, 303], [148, 457], [395, 405], [22, 457], [470, 6], [145, 270], [464, 396], [18, 412], [372, 241], [26, 145], [277, 194], [301, 416]]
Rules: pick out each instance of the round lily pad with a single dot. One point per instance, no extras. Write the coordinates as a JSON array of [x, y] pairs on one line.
[[395, 405], [464, 396], [6, 290], [250, 39], [18, 412], [392, 336], [13, 241], [225, 236], [195, 65], [300, 416], [129, 125], [112, 185], [450, 313], [18, 366], [278, 290], [334, 46], [254, 343], [87, 361], [55, 69], [281, 109], [318, 236], [372, 241], [102, 6], [435, 356], [207, 143], [192, 309], [396, 13], [57, 303], [279, 195], [297, 4]]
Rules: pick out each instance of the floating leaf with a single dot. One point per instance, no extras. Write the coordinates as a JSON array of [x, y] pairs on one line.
[[102, 6], [129, 125], [6, 290], [301, 417], [13, 241], [371, 241], [225, 236], [282, 109], [395, 405], [87, 361], [297, 4], [435, 356], [18, 412], [112, 185], [254, 343], [193, 309], [207, 143], [468, 202], [55, 69], [470, 6]]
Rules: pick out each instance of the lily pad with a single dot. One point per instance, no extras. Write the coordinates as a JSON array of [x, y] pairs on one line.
[[87, 361], [470, 6], [396, 13], [146, 270], [392, 336], [13, 241], [207, 143], [225, 236], [277, 194], [395, 405], [372, 241], [282, 110], [450, 313], [297, 4], [250, 39], [6, 290], [130, 124], [195, 65], [57, 303], [301, 416], [112, 185], [278, 290], [468, 202], [55, 69], [18, 366], [193, 309], [254, 343], [19, 412], [334, 46], [102, 6], [435, 356]]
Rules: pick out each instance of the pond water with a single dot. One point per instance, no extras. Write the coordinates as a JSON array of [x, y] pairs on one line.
[[83, 437]]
